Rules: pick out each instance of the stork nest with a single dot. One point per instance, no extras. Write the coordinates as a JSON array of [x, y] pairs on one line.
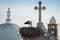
[[29, 32]]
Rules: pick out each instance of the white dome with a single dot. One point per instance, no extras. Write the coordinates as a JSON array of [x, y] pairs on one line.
[[52, 20], [8, 32]]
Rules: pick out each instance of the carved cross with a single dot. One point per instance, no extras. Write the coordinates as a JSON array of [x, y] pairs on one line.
[[39, 8]]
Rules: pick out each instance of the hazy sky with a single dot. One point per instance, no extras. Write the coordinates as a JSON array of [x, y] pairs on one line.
[[23, 10]]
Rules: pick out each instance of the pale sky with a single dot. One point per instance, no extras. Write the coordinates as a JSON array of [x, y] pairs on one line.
[[23, 10]]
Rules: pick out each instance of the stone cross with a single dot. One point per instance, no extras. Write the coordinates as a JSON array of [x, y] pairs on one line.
[[39, 8]]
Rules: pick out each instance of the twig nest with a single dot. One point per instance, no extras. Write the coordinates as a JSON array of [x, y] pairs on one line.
[[29, 32]]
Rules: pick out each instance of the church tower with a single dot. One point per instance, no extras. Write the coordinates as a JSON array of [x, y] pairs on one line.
[[52, 26]]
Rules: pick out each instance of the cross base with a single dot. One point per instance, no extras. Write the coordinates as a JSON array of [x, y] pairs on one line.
[[41, 27]]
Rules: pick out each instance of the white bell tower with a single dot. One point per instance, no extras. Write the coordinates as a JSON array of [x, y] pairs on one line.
[[52, 27]]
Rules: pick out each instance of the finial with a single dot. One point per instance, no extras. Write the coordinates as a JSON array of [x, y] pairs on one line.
[[8, 16]]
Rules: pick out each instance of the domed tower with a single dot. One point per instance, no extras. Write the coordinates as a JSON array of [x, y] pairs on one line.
[[8, 30], [52, 26]]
